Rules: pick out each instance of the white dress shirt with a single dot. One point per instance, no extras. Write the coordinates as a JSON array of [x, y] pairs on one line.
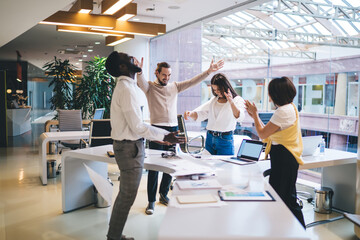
[[125, 114], [225, 120]]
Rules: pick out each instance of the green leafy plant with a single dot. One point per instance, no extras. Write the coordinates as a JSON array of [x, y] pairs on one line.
[[95, 89], [63, 74]]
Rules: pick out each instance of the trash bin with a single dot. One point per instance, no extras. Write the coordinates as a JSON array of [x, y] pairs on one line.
[[100, 202], [53, 148], [51, 168], [323, 200]]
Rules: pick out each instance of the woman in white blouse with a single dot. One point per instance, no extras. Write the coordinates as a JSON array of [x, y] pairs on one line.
[[222, 111]]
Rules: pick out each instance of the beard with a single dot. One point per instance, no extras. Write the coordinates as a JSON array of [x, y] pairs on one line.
[[161, 83]]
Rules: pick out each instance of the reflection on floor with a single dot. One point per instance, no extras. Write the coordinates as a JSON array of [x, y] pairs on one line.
[[31, 211]]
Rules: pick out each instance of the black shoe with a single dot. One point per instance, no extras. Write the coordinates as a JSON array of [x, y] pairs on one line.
[[150, 208], [123, 237], [164, 199]]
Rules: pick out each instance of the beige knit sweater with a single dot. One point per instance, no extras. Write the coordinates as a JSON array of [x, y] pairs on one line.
[[162, 100]]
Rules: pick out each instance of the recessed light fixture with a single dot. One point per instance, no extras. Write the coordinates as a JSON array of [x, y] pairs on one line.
[[174, 7], [84, 55], [97, 43], [90, 50], [80, 60]]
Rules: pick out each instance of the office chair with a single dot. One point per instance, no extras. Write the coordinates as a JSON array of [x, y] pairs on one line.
[[187, 145], [267, 172], [100, 133], [265, 116], [70, 120]]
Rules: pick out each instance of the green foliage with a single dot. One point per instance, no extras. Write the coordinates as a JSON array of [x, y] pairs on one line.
[[63, 78], [95, 89]]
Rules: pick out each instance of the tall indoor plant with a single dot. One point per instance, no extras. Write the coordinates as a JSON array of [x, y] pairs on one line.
[[63, 74], [95, 89]]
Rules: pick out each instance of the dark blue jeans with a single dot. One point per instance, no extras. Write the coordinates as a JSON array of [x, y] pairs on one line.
[[152, 183], [219, 145]]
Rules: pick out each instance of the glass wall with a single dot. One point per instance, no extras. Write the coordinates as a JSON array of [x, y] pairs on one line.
[[318, 50]]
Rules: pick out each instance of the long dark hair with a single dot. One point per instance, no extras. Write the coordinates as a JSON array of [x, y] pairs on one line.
[[223, 83]]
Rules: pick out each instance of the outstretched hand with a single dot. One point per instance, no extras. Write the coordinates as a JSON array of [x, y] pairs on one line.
[[251, 108], [215, 66], [172, 138]]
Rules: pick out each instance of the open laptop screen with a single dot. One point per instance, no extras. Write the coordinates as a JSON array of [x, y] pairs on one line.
[[250, 149]]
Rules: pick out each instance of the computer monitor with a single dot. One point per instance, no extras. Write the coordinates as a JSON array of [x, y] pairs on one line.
[[99, 113]]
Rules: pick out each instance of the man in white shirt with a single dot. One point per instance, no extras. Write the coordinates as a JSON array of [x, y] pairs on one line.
[[162, 101], [128, 132]]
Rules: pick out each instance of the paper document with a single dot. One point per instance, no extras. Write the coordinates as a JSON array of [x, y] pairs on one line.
[[102, 185], [245, 196], [199, 198], [199, 184]]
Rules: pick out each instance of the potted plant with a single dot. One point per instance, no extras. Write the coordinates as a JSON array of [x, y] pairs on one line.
[[63, 79], [95, 88]]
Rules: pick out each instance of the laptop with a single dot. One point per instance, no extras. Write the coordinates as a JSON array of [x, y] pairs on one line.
[[99, 113], [249, 152], [310, 144]]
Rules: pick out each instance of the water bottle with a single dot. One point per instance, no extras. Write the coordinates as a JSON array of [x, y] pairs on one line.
[[322, 147]]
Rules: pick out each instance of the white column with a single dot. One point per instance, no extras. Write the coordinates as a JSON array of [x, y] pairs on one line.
[[340, 98], [357, 202]]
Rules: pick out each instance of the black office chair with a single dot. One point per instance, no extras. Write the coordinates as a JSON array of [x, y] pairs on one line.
[[265, 116], [299, 201], [185, 147], [100, 133], [70, 120]]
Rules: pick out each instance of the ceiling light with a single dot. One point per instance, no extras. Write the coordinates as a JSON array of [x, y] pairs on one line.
[[9, 91], [137, 28], [127, 12], [97, 43], [80, 20], [112, 6], [174, 7], [82, 6], [80, 60], [86, 30], [112, 41], [90, 50], [84, 55]]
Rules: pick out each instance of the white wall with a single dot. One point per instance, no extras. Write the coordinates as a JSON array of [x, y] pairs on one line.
[[139, 47]]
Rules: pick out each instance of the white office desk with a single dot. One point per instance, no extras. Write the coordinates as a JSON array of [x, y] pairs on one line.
[[55, 136], [77, 189], [237, 220], [262, 220]]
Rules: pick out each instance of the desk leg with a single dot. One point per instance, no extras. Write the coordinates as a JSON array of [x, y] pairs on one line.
[[357, 202], [77, 187]]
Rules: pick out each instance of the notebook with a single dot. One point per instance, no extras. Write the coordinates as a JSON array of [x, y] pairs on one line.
[[310, 144], [249, 152]]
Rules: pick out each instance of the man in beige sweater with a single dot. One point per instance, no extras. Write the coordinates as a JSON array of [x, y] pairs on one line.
[[162, 101]]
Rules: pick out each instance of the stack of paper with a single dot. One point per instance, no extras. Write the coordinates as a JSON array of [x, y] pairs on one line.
[[200, 184]]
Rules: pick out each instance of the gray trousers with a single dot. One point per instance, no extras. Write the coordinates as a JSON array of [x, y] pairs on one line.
[[129, 156]]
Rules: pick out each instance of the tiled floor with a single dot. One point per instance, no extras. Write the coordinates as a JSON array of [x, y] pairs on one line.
[[31, 211]]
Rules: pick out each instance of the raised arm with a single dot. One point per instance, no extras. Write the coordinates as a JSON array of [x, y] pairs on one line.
[[141, 82], [182, 86]]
